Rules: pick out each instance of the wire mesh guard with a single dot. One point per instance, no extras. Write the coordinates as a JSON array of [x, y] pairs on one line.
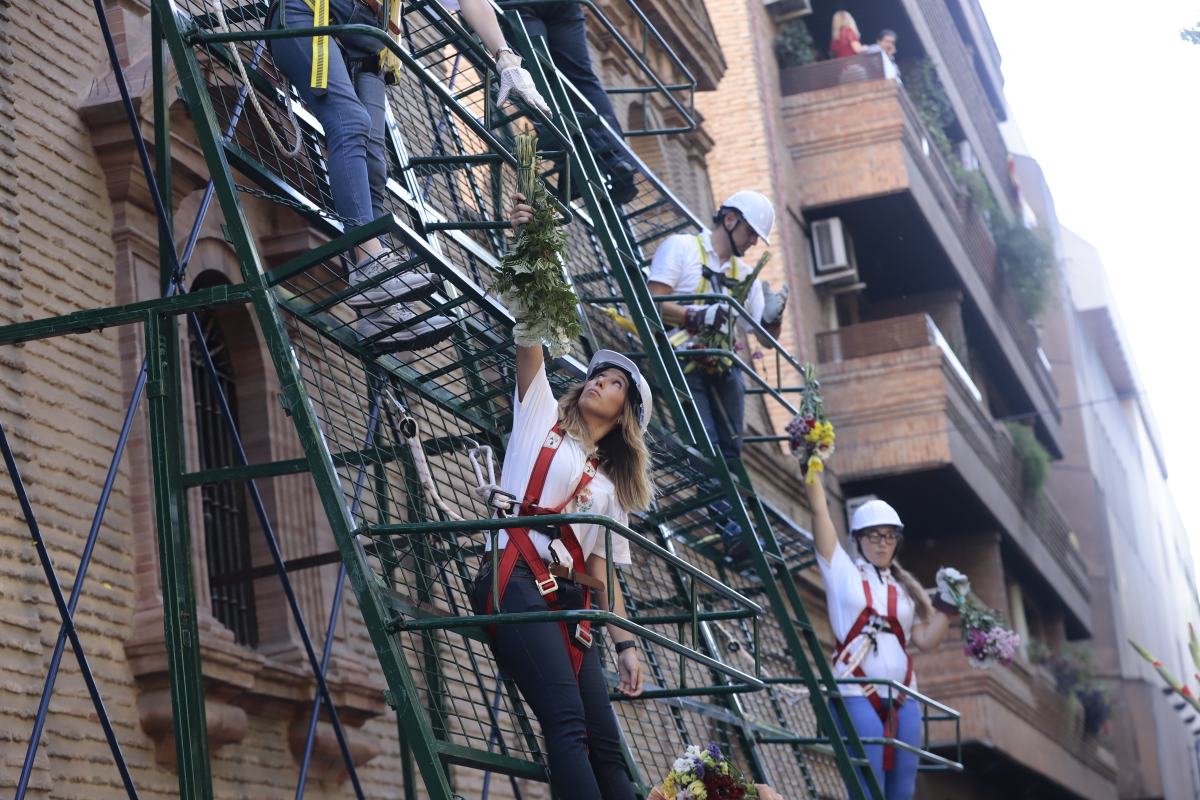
[[451, 171]]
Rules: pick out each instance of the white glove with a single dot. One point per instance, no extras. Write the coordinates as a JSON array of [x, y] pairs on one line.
[[773, 305], [516, 80]]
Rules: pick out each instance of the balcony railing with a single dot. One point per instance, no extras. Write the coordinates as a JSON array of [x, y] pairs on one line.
[[988, 439], [965, 220]]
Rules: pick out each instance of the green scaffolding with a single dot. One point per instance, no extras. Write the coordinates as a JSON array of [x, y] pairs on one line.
[[732, 655]]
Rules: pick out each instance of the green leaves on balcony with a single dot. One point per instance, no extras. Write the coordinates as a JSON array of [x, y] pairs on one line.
[[1028, 264], [1034, 460], [794, 45]]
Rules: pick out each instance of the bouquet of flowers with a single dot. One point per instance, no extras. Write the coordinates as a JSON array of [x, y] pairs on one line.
[[811, 432], [703, 773], [986, 640], [530, 279]]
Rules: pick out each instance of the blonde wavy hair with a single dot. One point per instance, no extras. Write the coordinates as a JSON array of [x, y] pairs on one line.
[[624, 457], [843, 19]]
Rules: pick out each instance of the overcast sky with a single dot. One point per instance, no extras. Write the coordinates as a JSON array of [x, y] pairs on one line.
[[1107, 98]]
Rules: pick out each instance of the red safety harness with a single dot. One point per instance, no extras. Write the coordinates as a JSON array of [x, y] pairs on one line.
[[870, 624], [521, 546]]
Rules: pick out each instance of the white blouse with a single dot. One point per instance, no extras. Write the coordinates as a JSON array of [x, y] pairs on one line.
[[845, 598], [533, 418]]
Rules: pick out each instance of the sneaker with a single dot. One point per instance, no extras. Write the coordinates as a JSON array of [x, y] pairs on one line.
[[404, 286], [402, 333]]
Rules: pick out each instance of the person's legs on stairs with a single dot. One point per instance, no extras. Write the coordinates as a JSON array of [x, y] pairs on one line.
[[565, 29], [604, 737], [535, 657], [869, 726], [902, 780]]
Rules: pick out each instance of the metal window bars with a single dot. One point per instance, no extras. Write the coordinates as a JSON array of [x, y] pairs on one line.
[[403, 549]]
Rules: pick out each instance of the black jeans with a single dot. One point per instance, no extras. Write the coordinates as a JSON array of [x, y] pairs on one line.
[[563, 27], [577, 719]]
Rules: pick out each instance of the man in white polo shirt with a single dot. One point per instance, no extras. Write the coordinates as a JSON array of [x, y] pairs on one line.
[[709, 263]]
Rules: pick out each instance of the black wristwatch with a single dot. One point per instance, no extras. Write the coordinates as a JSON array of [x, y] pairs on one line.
[[628, 644]]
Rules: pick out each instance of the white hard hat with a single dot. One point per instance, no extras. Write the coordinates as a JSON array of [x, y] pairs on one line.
[[756, 210], [874, 513], [643, 402]]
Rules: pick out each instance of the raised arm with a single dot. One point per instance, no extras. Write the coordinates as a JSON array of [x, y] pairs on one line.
[[529, 359], [824, 534], [480, 15]]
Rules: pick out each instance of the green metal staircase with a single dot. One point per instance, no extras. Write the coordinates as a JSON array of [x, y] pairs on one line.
[[733, 657]]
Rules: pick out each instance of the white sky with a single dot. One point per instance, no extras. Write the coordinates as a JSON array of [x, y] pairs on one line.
[[1107, 97]]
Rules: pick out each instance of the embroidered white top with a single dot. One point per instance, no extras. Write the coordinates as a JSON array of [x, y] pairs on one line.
[[533, 418], [845, 598]]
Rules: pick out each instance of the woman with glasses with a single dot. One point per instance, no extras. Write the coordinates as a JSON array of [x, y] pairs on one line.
[[876, 609]]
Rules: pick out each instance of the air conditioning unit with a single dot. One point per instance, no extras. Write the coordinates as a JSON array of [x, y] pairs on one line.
[[833, 252], [786, 9]]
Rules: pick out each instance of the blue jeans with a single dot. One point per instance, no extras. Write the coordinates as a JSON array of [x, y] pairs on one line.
[[351, 109], [721, 402], [577, 719], [900, 782], [563, 27]]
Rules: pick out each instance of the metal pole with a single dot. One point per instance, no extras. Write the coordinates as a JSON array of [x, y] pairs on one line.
[[52, 579]]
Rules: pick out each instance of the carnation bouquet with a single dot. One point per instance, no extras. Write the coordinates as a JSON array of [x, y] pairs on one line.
[[530, 279], [703, 773], [811, 431], [986, 639]]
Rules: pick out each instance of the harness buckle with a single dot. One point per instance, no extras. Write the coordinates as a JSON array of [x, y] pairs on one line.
[[496, 499], [548, 586], [583, 636]]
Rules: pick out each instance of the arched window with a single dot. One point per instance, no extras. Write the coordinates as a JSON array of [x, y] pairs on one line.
[[226, 526]]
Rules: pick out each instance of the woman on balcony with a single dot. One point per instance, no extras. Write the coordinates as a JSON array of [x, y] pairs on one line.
[[876, 608], [845, 39]]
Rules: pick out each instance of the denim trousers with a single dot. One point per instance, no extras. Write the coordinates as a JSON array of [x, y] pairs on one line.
[[563, 27], [350, 110], [900, 782], [721, 402], [579, 726]]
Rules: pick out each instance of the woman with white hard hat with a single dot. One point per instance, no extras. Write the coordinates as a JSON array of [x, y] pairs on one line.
[[876, 609], [583, 454]]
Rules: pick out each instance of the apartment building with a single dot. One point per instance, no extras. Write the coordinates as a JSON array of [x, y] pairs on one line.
[[904, 215]]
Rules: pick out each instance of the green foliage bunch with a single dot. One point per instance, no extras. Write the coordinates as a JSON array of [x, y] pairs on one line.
[[1028, 265], [1035, 461], [530, 279], [1074, 675], [794, 45]]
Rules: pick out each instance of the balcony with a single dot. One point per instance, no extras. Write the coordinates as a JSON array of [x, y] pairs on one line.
[[862, 152], [905, 406], [1015, 716]]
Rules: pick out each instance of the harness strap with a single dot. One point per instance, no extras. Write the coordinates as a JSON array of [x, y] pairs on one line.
[[521, 546], [887, 715]]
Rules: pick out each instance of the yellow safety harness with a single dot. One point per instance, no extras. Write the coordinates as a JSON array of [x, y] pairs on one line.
[[389, 62], [680, 337]]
